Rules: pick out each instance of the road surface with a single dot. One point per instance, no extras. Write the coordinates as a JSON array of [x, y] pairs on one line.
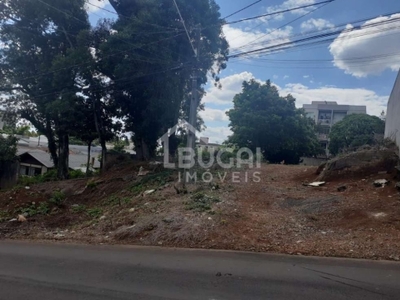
[[48, 272]]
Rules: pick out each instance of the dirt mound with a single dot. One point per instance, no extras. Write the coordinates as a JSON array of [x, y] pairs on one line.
[[360, 163]]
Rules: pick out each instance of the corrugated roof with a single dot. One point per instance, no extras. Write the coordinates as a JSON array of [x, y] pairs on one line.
[[76, 161]]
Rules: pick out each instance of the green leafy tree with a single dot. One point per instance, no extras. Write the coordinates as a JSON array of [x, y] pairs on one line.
[[149, 60], [354, 131], [262, 118], [41, 40], [8, 157]]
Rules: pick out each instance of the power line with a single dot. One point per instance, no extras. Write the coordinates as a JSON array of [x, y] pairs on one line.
[[323, 30], [240, 10], [291, 43], [284, 25], [184, 25], [176, 67], [278, 12]]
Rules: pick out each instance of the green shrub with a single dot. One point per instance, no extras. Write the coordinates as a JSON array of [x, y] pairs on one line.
[[94, 212], [75, 174], [57, 198], [78, 208], [200, 202]]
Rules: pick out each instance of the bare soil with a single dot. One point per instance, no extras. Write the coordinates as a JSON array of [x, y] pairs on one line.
[[278, 214]]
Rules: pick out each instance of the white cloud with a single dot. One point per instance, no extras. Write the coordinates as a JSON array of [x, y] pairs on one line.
[[94, 8], [289, 4], [361, 96], [368, 50], [231, 85], [318, 24], [217, 134], [250, 40], [212, 114]]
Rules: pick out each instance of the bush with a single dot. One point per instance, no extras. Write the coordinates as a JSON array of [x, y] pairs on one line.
[[75, 174], [57, 198]]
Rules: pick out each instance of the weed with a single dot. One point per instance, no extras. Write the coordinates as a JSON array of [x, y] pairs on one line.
[[91, 184], [43, 208], [116, 200], [3, 215], [200, 202], [33, 209], [57, 198], [137, 189], [94, 212], [75, 174], [78, 208]]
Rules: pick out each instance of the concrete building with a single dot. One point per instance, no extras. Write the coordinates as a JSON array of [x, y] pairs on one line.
[[328, 113], [392, 128], [204, 145]]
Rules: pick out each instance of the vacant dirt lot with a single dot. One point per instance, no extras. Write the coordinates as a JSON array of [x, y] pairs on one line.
[[278, 214]]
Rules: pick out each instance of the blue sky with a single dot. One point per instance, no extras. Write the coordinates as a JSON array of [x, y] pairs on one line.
[[350, 70]]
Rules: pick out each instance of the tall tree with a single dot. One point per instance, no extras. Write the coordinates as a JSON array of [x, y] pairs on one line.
[[37, 62], [152, 68], [262, 118], [354, 131]]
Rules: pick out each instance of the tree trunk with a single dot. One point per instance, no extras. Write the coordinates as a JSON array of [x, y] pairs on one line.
[[142, 150], [101, 133], [63, 157], [88, 158]]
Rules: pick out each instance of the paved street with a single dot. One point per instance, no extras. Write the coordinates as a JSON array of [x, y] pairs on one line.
[[45, 271]]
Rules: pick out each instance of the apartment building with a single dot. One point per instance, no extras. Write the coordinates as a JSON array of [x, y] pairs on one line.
[[328, 113]]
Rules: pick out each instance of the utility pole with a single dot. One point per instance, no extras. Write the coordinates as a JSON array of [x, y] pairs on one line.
[[194, 102]]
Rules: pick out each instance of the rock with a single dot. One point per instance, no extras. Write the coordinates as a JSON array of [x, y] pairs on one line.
[[21, 218], [25, 215], [13, 220], [59, 236], [379, 215], [149, 192], [27, 188], [342, 188], [142, 172], [317, 183], [381, 183], [75, 205], [102, 218], [132, 210]]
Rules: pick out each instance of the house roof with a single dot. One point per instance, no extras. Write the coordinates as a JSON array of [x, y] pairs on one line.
[[41, 156], [76, 161]]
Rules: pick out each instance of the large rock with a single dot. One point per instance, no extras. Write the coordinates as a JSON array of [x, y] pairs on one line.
[[360, 163]]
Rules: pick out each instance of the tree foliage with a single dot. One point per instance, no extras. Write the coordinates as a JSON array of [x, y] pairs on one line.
[[8, 149], [132, 74], [354, 131], [262, 118], [151, 78]]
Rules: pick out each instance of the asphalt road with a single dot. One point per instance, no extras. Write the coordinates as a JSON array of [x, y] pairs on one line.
[[48, 272]]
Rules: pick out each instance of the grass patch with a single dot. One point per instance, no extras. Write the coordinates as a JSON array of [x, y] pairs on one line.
[[116, 200], [78, 209], [57, 198], [95, 212], [201, 202]]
